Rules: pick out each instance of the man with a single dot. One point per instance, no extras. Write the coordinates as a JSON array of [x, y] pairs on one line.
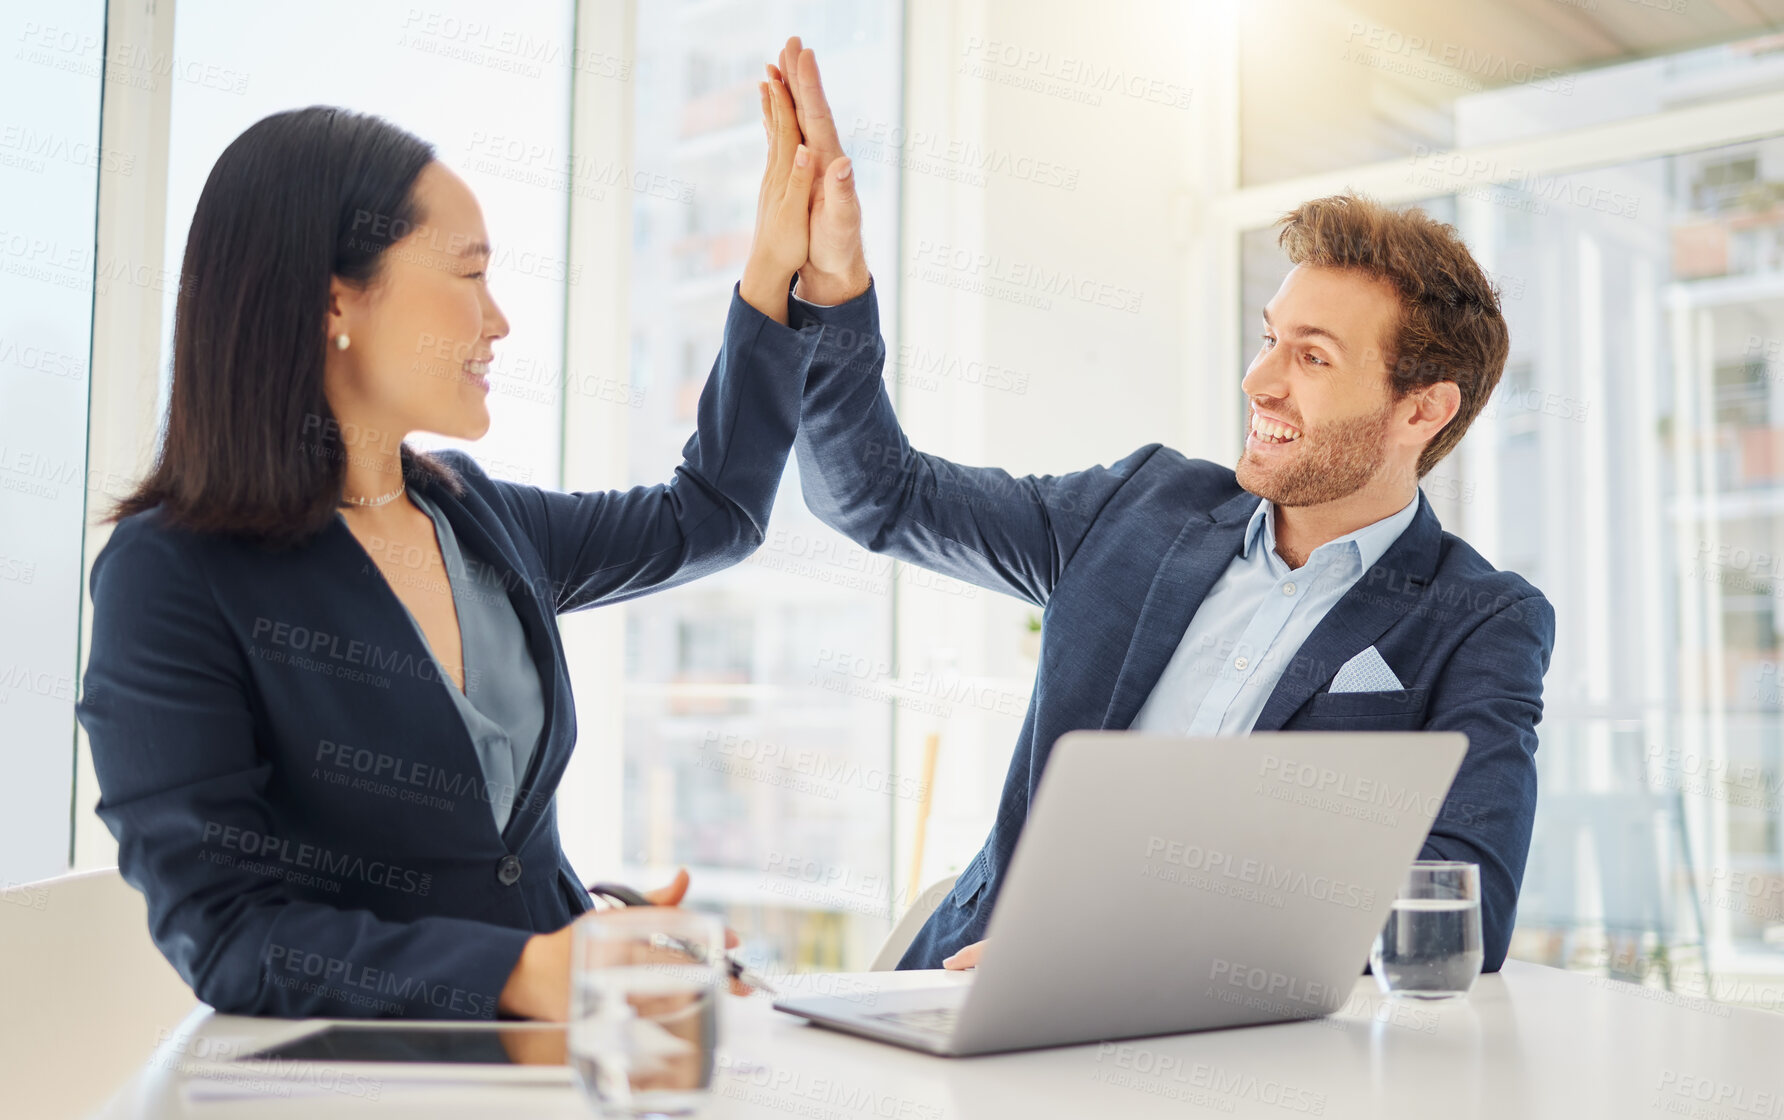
[[1309, 588]]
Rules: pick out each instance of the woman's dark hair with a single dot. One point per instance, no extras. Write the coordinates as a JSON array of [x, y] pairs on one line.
[[251, 448]]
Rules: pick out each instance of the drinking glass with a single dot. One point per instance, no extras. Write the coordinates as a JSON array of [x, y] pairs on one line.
[[644, 991], [1430, 947]]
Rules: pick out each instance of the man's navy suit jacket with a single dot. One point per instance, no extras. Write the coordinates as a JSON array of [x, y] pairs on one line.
[[1120, 558], [289, 782]]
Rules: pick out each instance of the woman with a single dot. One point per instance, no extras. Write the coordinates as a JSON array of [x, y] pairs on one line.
[[327, 698]]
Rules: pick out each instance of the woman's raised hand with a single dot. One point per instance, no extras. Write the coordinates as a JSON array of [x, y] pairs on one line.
[[782, 240]]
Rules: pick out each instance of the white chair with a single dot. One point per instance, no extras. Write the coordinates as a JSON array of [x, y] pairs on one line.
[[906, 930], [83, 991]]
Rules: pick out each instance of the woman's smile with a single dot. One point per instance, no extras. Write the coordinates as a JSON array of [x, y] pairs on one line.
[[476, 371]]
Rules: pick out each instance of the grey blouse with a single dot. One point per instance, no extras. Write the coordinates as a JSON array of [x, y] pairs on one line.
[[501, 705]]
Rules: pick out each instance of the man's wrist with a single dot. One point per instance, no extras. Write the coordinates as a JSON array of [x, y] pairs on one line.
[[829, 288]]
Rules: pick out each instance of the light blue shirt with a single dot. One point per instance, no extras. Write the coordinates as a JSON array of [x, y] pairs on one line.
[[502, 704], [1247, 631]]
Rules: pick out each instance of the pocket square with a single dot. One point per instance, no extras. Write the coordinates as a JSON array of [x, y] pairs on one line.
[[1366, 672]]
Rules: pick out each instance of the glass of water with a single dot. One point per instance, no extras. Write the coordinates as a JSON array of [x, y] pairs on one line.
[[1430, 947], [644, 992]]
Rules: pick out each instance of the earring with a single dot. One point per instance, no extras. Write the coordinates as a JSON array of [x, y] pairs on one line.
[[341, 341]]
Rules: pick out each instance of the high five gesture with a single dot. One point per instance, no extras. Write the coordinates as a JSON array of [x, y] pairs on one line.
[[836, 270]]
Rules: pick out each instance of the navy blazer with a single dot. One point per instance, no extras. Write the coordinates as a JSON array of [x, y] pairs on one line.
[[1121, 557], [289, 782]]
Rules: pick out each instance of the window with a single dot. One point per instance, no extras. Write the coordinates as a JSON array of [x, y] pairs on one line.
[[747, 755], [491, 95], [50, 163]]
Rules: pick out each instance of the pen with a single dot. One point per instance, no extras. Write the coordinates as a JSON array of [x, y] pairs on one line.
[[626, 896]]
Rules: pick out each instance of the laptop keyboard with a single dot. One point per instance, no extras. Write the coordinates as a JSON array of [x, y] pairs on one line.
[[929, 1020]]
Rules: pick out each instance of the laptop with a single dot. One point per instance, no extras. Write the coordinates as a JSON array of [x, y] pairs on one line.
[[1164, 884]]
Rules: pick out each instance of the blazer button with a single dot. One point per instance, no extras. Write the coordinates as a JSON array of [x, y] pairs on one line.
[[508, 870]]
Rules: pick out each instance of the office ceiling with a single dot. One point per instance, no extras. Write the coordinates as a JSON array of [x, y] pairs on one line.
[[1326, 84], [1570, 34]]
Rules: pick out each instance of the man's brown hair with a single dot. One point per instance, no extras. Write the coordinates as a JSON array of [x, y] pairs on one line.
[[1450, 327]]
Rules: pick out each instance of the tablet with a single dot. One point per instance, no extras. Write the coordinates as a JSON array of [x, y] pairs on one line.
[[405, 1051]]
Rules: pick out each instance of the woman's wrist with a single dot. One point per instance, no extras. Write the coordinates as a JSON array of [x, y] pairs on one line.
[[516, 997], [765, 289], [539, 986]]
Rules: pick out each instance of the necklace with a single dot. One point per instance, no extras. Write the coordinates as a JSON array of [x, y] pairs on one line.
[[378, 501]]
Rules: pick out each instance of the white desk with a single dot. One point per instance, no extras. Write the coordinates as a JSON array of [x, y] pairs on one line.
[[1529, 1042]]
